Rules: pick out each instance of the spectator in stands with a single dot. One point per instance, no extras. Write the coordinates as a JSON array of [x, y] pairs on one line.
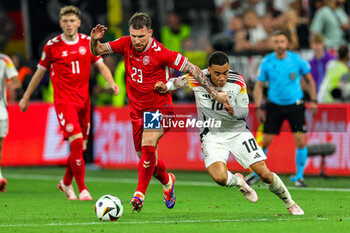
[[236, 24], [330, 20], [267, 23], [241, 41], [298, 28], [257, 35], [258, 6], [314, 6], [226, 9], [281, 5], [344, 17], [7, 71], [175, 33], [320, 60], [225, 41], [337, 75]]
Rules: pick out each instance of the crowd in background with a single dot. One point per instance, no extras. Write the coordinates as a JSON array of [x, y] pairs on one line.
[[243, 29]]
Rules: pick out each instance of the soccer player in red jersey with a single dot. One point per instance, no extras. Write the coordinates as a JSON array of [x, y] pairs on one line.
[[146, 62], [68, 58]]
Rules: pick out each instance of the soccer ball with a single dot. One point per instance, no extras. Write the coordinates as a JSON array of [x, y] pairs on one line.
[[108, 208]]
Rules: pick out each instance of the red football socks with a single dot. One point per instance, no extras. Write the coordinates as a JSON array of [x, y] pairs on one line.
[[68, 175], [146, 167], [160, 172], [77, 163]]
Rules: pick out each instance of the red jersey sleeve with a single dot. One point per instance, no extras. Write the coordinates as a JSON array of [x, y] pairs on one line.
[[46, 56], [173, 59], [95, 59], [118, 45]]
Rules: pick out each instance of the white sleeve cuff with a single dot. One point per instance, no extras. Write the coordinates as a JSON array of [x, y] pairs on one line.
[[170, 85], [41, 67]]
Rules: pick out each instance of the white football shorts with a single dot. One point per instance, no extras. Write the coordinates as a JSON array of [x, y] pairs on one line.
[[4, 128], [243, 146]]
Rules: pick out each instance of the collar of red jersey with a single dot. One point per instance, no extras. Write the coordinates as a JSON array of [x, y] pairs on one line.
[[70, 42]]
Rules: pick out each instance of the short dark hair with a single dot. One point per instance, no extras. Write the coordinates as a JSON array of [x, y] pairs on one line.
[[283, 31], [343, 52], [217, 58], [140, 20]]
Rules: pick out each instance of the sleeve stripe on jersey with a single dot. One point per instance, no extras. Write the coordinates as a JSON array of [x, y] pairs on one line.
[[99, 60], [178, 59], [109, 47], [191, 81], [166, 73], [236, 80], [8, 62], [183, 64], [236, 77], [41, 67]]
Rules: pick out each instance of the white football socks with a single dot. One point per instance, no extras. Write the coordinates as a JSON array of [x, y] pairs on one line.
[[1, 174], [277, 187], [233, 180]]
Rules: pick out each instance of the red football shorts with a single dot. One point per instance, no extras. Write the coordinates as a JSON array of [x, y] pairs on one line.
[[137, 126], [73, 119]]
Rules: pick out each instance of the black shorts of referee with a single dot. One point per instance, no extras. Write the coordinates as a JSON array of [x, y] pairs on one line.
[[276, 114]]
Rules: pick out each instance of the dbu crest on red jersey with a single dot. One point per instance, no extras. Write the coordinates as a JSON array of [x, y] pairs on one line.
[[82, 50], [145, 60]]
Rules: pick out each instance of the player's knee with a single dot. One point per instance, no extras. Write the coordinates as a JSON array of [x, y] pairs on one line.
[[220, 179], [149, 140]]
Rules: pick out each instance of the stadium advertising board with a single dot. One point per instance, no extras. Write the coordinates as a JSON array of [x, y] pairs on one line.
[[35, 139]]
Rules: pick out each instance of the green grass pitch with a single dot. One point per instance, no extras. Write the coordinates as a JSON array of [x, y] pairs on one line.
[[32, 203]]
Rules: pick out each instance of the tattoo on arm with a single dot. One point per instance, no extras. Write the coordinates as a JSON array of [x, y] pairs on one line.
[[180, 82], [201, 79]]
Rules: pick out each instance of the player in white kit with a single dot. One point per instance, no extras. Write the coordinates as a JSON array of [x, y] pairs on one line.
[[233, 135], [7, 71]]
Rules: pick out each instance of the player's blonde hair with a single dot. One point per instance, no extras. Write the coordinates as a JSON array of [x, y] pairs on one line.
[[316, 38], [69, 10]]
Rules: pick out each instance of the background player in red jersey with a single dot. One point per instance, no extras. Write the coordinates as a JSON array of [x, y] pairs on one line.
[[68, 58], [146, 62]]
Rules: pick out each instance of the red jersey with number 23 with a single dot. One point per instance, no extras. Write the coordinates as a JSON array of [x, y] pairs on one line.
[[143, 70], [69, 63]]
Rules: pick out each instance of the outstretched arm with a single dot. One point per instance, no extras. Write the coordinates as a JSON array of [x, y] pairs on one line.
[[204, 82], [107, 75], [172, 84], [96, 47]]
